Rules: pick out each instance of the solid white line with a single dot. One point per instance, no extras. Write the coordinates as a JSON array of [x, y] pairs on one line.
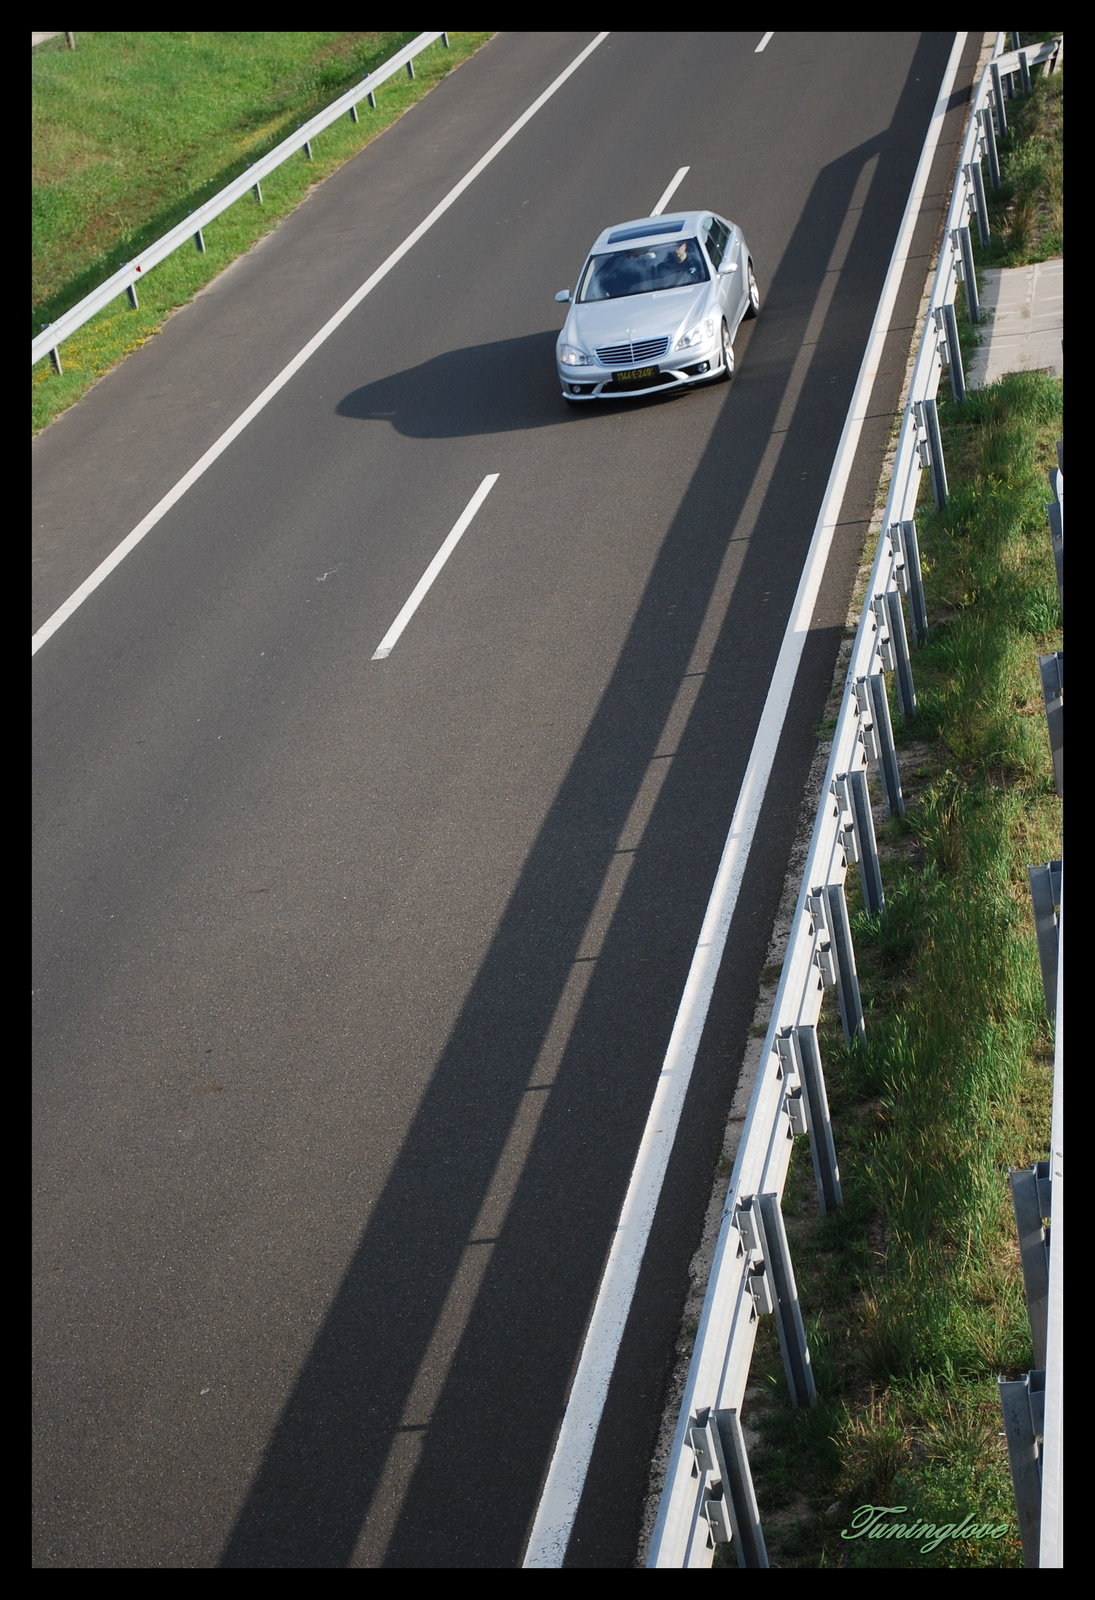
[[674, 185], [421, 588], [566, 1475], [160, 509], [762, 44]]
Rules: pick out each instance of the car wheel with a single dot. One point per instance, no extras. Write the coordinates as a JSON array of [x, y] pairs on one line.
[[753, 305], [727, 368]]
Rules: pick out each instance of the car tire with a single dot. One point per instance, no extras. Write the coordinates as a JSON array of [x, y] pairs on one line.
[[752, 305], [726, 371]]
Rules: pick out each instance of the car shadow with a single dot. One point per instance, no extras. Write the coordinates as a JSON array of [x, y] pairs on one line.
[[508, 386]]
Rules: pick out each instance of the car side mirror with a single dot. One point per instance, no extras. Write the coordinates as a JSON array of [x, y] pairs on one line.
[[726, 269], [563, 296]]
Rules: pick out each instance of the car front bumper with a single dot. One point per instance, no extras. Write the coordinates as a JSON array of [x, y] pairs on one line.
[[675, 370]]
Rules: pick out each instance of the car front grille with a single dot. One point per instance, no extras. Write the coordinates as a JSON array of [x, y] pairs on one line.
[[632, 355]]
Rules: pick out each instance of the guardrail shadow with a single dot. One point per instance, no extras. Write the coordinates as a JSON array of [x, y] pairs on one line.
[[489, 1437]]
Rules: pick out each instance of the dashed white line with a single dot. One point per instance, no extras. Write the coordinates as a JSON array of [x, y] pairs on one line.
[[762, 43], [674, 184], [421, 588]]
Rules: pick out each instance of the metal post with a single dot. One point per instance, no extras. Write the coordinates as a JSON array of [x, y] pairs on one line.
[[445, 40], [199, 242], [1057, 531], [870, 871], [1023, 1404], [798, 1049], [967, 273], [792, 1331], [904, 537], [847, 979], [308, 149], [1032, 1198], [1024, 71], [131, 291], [954, 351], [371, 98], [927, 414], [976, 179], [988, 137], [998, 101], [1045, 894], [1052, 670], [256, 190], [729, 1501], [55, 360], [882, 728], [895, 618], [410, 70], [353, 113]]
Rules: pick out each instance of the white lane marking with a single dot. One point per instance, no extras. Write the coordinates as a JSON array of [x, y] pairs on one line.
[[566, 1476], [674, 184], [160, 509], [421, 588], [762, 44]]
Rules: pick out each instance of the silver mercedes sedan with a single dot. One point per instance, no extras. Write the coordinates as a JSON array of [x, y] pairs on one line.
[[658, 305]]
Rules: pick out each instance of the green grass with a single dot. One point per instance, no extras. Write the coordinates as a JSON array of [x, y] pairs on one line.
[[132, 131], [915, 1289], [1026, 213], [913, 1293]]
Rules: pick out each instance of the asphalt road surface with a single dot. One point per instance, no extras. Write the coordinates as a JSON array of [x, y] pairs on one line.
[[353, 977]]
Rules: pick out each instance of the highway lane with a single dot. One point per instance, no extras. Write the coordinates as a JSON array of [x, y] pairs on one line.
[[353, 977]]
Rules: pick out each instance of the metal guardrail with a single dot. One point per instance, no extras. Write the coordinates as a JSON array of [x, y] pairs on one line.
[[708, 1498], [126, 279]]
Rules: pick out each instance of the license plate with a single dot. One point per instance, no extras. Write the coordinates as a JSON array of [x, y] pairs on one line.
[[637, 375]]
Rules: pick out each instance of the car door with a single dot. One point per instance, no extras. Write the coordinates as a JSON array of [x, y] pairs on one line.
[[723, 245]]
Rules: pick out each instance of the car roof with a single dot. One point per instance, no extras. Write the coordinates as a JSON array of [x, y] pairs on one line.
[[643, 228]]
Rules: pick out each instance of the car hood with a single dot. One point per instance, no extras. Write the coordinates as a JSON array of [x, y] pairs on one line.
[[637, 316]]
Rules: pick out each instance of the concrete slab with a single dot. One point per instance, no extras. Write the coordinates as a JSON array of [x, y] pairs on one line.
[[1024, 322]]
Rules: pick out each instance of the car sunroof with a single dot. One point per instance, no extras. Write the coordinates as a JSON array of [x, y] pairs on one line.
[[640, 233]]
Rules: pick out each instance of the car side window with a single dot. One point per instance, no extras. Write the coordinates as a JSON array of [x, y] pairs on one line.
[[714, 238]]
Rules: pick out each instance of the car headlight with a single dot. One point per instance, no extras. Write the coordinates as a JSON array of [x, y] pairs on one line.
[[700, 334], [571, 356]]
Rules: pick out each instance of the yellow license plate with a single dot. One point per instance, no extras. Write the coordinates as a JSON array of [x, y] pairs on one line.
[[637, 375]]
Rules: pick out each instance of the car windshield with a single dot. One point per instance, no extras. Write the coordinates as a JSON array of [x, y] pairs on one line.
[[654, 266]]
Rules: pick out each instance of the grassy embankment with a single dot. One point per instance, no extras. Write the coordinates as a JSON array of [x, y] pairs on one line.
[[914, 1294], [132, 131]]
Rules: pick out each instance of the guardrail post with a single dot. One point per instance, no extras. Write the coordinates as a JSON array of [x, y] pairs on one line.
[[55, 360], [998, 100], [1052, 670], [988, 135], [410, 70], [910, 577], [131, 291], [445, 40], [947, 325], [797, 1049], [895, 618], [927, 415], [1055, 513], [1045, 894], [877, 732], [199, 242], [760, 1223], [1032, 1199], [1023, 1404], [256, 190], [977, 182], [847, 979], [729, 1501], [308, 149], [1024, 71], [353, 113], [870, 872], [966, 273]]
